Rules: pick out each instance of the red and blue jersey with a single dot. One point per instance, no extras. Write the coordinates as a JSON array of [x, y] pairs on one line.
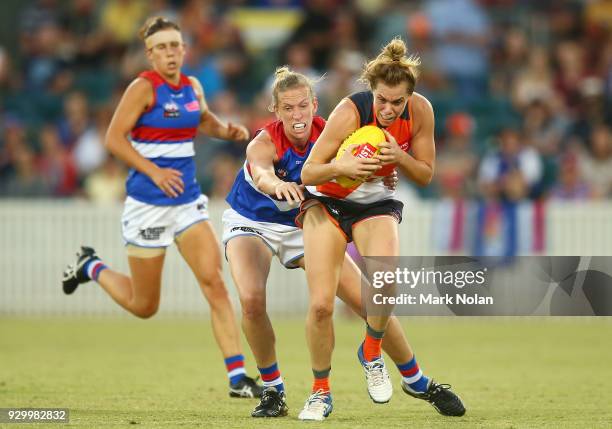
[[164, 134], [256, 205]]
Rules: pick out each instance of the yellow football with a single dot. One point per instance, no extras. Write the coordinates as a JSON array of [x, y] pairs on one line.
[[367, 138]]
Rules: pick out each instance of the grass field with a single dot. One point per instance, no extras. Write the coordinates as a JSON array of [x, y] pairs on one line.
[[511, 373]]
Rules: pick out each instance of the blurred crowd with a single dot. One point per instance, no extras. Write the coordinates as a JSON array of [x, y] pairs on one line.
[[521, 90]]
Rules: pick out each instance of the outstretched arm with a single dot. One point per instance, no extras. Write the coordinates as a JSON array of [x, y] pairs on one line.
[[261, 154]]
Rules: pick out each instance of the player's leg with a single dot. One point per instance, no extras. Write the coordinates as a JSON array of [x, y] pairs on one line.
[[376, 236], [199, 247], [395, 343], [249, 258], [147, 230], [138, 294], [324, 247], [379, 237]]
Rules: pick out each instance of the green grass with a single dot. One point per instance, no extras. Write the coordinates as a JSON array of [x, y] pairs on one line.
[[511, 373]]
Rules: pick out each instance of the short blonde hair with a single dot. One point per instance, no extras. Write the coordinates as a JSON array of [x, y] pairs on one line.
[[392, 67], [284, 79], [155, 24]]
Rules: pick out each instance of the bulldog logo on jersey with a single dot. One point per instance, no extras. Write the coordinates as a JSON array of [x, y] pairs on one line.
[[171, 110], [281, 173]]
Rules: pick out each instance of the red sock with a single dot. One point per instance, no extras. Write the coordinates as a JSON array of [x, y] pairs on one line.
[[321, 380], [372, 346], [320, 384]]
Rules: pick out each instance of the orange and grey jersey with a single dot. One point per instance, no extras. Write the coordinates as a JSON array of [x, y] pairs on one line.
[[373, 189]]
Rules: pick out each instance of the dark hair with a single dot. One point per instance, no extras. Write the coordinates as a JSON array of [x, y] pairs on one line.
[[155, 24]]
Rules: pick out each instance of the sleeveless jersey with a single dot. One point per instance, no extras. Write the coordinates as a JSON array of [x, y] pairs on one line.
[[250, 202], [373, 189], [164, 135]]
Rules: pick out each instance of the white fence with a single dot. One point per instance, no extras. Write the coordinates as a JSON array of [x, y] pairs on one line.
[[38, 238]]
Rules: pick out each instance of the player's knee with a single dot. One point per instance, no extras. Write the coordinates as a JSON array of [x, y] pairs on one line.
[[322, 310], [146, 310], [253, 306], [214, 288]]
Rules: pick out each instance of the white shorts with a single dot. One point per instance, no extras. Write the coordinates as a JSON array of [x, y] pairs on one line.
[[145, 225], [286, 242]]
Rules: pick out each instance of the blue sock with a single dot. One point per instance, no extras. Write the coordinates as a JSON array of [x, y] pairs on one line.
[[271, 377], [413, 376], [93, 268], [235, 368]]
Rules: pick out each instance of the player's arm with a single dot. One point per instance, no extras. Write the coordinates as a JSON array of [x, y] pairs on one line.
[[418, 166], [261, 154], [321, 166], [211, 125], [136, 99]]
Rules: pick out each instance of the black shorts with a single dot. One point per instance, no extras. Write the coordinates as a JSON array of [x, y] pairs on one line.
[[346, 214]]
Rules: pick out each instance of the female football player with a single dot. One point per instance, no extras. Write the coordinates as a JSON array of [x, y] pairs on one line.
[[161, 111], [367, 214], [260, 225]]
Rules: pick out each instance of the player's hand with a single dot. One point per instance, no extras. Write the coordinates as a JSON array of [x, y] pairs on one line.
[[391, 180], [390, 151], [237, 132], [290, 192], [169, 181], [356, 168]]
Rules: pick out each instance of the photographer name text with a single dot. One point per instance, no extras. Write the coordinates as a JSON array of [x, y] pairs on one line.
[[431, 299]]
